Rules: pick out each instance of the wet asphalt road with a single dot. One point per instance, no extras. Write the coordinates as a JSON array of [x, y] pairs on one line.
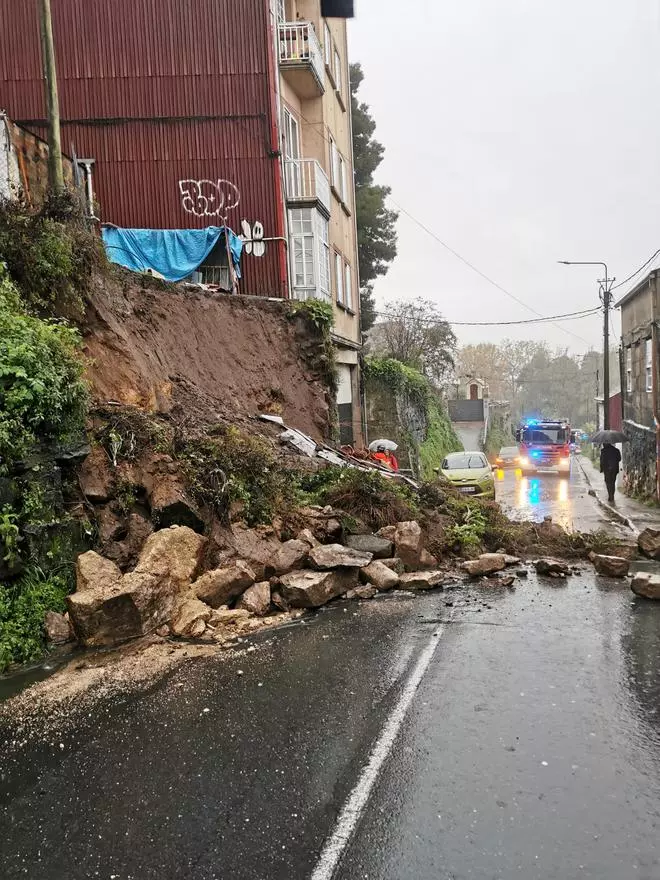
[[531, 749], [565, 499]]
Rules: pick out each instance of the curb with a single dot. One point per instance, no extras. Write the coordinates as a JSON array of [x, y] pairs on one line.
[[615, 513]]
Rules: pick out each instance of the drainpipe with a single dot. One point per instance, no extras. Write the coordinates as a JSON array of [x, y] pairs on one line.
[[656, 420]]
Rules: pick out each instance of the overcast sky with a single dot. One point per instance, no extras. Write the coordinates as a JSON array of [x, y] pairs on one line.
[[520, 132]]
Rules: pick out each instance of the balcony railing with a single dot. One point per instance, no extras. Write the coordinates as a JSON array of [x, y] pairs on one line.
[[307, 182], [300, 53]]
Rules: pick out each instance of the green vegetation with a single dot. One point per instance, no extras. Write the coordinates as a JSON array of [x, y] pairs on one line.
[[233, 467], [42, 395], [23, 605], [404, 381], [50, 254], [366, 495], [320, 318], [468, 531]]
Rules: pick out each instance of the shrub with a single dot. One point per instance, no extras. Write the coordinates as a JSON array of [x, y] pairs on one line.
[[41, 390], [50, 261], [23, 605], [370, 497], [236, 467]]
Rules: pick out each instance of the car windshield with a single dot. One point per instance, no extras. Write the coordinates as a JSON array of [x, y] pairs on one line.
[[463, 460], [509, 451], [545, 435]]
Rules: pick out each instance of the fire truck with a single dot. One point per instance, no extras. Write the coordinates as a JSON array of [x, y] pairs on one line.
[[544, 444]]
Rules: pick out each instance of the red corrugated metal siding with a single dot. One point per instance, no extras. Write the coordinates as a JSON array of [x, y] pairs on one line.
[[126, 64]]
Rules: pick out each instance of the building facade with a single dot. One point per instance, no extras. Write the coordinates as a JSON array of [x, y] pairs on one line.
[[207, 113], [640, 386]]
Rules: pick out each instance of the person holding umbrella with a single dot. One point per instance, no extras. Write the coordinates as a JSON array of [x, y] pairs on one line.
[[610, 458], [382, 451]]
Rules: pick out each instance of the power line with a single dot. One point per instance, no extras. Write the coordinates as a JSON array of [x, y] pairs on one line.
[[477, 270], [637, 271], [569, 316]]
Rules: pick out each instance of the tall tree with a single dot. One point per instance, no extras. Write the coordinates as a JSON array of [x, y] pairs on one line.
[[376, 223], [418, 336]]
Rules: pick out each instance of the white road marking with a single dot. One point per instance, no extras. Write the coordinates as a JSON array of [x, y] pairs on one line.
[[336, 844]]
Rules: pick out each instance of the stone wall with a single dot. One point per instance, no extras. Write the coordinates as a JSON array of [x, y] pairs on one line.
[[639, 462], [397, 416]]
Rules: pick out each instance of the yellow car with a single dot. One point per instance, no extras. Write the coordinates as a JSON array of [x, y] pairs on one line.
[[470, 472]]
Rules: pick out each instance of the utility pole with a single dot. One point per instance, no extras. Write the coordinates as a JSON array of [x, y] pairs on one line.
[[606, 287], [606, 354], [55, 171]]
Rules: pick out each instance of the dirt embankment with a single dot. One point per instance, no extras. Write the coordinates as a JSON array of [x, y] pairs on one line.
[[180, 351]]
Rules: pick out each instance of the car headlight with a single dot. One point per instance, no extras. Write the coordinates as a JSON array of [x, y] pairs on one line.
[[524, 462]]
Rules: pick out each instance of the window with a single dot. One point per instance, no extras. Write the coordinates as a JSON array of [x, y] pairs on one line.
[[339, 278], [649, 365], [310, 254], [334, 164], [327, 46], [324, 256], [337, 69], [628, 369], [341, 177], [348, 288], [302, 251], [281, 11], [291, 136]]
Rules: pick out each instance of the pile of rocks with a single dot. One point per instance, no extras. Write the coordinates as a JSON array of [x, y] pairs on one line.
[[169, 592]]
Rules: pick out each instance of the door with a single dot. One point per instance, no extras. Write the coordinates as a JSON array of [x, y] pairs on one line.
[[474, 391], [294, 168]]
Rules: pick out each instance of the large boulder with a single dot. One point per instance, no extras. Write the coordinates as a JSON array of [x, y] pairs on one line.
[[380, 548], [186, 620], [290, 556], [172, 554], [323, 522], [122, 539], [409, 543], [256, 599], [258, 547], [311, 589], [648, 542], [328, 556], [220, 586], [107, 608], [552, 567], [379, 575], [394, 564], [486, 564], [421, 580], [610, 566], [646, 585]]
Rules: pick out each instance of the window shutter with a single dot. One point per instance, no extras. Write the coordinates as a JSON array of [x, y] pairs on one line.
[[337, 8]]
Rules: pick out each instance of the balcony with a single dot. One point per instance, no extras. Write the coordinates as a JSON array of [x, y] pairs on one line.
[[307, 184], [301, 59]]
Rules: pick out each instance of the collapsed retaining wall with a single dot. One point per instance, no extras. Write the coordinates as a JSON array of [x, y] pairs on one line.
[[173, 349]]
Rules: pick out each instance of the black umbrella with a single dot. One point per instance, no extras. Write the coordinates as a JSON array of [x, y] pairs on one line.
[[601, 437]]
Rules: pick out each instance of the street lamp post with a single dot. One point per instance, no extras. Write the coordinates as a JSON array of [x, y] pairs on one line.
[[606, 286]]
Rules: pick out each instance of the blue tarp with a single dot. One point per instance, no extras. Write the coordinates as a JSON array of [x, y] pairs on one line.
[[174, 253]]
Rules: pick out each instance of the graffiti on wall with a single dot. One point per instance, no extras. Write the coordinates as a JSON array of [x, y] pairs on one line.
[[253, 238], [208, 198]]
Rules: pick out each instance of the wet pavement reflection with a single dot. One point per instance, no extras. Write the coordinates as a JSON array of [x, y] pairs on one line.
[[565, 499]]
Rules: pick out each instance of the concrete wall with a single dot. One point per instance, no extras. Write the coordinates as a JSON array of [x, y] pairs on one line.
[[639, 462], [466, 410], [399, 417]]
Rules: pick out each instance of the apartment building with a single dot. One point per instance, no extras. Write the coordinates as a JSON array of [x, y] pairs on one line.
[[208, 113], [640, 380]]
